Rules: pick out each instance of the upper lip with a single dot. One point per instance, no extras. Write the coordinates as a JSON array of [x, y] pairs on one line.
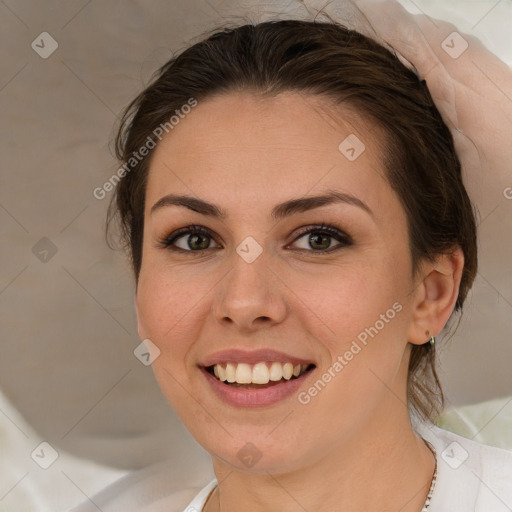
[[252, 357]]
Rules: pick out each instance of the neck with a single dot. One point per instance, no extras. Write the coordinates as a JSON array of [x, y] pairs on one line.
[[386, 466]]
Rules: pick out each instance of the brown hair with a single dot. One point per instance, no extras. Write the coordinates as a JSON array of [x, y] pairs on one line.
[[326, 59]]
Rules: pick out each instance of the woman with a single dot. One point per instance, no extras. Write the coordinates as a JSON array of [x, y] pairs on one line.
[[300, 233]]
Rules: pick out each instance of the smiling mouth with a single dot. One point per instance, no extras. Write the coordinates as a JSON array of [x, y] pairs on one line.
[[258, 376]]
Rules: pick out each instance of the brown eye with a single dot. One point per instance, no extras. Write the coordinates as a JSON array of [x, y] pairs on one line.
[[197, 239], [190, 239], [319, 239]]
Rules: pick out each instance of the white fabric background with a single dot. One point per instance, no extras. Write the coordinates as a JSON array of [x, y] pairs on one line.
[[68, 325]]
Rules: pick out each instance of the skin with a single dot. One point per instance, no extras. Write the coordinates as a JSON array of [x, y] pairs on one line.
[[246, 154]]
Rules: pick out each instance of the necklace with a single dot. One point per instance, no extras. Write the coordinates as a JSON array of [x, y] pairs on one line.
[[429, 495], [434, 478]]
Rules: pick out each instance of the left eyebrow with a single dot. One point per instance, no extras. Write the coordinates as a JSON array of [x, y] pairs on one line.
[[303, 204], [280, 211]]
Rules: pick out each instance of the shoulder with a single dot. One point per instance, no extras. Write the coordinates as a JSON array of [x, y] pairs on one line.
[[491, 458], [162, 487], [476, 475]]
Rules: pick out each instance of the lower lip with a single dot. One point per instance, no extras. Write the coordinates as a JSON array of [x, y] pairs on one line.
[[240, 397]]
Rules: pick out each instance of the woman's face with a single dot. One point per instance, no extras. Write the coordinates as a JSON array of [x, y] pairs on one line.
[[256, 281]]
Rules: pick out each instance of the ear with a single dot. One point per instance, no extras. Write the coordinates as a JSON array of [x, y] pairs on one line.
[[435, 293]]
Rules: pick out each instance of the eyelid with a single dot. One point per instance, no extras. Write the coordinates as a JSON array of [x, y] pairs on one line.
[[330, 230], [167, 242]]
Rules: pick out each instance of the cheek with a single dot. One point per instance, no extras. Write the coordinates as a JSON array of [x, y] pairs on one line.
[[367, 318], [366, 309], [168, 305], [168, 315], [352, 298]]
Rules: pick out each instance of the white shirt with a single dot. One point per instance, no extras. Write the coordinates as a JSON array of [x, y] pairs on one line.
[[471, 477]]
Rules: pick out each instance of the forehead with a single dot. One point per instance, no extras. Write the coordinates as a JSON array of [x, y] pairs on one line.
[[248, 147]]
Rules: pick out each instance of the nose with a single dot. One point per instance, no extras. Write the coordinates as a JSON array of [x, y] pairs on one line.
[[250, 296]]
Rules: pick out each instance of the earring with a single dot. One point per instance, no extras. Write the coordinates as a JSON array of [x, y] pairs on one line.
[[432, 339]]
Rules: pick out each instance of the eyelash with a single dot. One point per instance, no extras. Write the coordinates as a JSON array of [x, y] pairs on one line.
[[325, 229]]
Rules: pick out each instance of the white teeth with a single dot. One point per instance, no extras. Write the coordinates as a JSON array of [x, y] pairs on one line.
[[230, 372], [287, 371], [243, 374], [276, 372], [260, 373], [222, 372]]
